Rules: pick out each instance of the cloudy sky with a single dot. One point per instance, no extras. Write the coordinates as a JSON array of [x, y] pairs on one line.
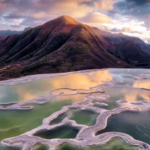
[[131, 17]]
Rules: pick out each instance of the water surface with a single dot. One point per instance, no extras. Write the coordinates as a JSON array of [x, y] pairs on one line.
[[78, 98]]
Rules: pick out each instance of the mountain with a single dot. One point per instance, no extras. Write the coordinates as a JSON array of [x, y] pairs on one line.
[[8, 32], [2, 37], [26, 29], [116, 38], [131, 53], [61, 45]]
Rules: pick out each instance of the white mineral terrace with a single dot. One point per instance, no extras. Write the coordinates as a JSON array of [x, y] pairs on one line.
[[86, 135]]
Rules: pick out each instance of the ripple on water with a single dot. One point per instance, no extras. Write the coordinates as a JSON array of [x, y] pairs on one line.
[[94, 90], [114, 144], [136, 124]]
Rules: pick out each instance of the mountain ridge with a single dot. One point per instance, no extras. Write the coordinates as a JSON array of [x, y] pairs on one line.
[[129, 55], [60, 45], [2, 37], [120, 37]]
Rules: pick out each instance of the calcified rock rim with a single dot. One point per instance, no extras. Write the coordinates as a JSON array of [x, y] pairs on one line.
[[84, 138], [86, 135], [43, 100], [30, 78], [39, 100]]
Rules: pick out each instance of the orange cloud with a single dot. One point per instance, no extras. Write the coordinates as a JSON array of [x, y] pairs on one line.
[[73, 81], [142, 84], [104, 5], [132, 96], [127, 29], [81, 81], [75, 8], [64, 7], [96, 17]]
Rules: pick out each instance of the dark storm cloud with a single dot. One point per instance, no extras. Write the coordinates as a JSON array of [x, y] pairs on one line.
[[32, 10], [115, 30], [90, 3], [15, 26], [30, 22], [15, 8], [132, 9], [22, 9], [15, 15], [137, 2], [131, 4]]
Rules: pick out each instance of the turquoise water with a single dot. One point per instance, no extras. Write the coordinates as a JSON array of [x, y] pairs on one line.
[[42, 87], [13, 123], [98, 91], [136, 124], [85, 117], [114, 144], [63, 132]]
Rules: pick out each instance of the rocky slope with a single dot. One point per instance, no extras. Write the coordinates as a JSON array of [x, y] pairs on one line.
[[131, 53], [60, 45], [2, 38], [116, 38]]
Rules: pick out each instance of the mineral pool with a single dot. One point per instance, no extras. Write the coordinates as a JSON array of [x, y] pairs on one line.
[[105, 109]]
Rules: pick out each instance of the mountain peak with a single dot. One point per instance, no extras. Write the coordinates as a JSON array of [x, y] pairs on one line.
[[27, 28], [67, 19], [121, 34]]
